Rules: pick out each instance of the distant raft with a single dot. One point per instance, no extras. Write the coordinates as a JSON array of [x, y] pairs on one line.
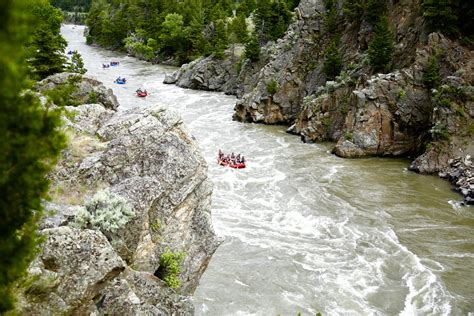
[[232, 161], [120, 80], [142, 93]]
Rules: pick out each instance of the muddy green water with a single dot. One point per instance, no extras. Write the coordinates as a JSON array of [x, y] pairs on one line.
[[303, 230]]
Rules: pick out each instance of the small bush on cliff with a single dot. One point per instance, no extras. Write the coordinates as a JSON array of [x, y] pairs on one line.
[[169, 269], [381, 47], [272, 86], [61, 95], [106, 211], [332, 62]]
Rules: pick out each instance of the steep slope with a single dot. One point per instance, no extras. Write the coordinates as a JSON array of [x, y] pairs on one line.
[[131, 198], [397, 113]]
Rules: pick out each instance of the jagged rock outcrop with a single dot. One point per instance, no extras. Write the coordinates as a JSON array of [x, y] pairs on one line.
[[216, 74], [88, 90], [143, 159]]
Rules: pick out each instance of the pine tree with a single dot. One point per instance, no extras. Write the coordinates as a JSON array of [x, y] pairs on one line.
[[77, 64], [431, 76], [29, 144], [46, 49], [353, 10], [381, 47], [252, 49], [220, 39], [440, 15], [332, 61], [375, 10]]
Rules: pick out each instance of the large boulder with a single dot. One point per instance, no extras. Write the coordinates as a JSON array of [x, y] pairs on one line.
[[143, 170], [87, 89]]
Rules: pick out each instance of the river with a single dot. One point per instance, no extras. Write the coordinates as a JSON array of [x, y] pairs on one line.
[[303, 230]]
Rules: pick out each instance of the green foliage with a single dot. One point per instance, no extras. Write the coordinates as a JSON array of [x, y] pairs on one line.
[[29, 145], [72, 5], [252, 49], [431, 76], [156, 226], [332, 61], [440, 132], [62, 94], [238, 27], [331, 15], [381, 47], [170, 267], [92, 97], [353, 10], [46, 48], [106, 211], [77, 64], [272, 86], [348, 135], [271, 19], [375, 10], [440, 15], [401, 94]]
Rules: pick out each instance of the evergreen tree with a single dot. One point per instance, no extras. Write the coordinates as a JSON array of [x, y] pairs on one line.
[[375, 10], [29, 144], [220, 39], [440, 15], [77, 64], [431, 76], [46, 49], [238, 27], [332, 61], [381, 47], [252, 49], [353, 10]]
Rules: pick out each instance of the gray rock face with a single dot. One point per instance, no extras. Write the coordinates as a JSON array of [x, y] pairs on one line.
[[147, 158], [389, 115], [88, 90]]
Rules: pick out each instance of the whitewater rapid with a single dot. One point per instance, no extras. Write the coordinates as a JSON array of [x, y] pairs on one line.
[[303, 230]]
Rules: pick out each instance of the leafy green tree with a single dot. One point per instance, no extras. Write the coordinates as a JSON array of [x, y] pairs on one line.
[[381, 47], [172, 36], [77, 64], [431, 76], [46, 49], [332, 61], [29, 143], [252, 49]]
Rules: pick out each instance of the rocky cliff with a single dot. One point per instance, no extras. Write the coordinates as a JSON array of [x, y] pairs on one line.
[[363, 112], [129, 228]]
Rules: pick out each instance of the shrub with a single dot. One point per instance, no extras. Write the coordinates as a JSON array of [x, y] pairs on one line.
[[440, 132], [61, 95], [272, 87], [106, 211], [170, 268]]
